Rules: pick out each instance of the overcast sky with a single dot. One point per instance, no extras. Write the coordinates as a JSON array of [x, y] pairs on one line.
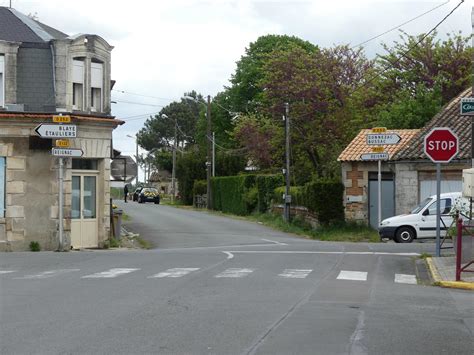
[[164, 48]]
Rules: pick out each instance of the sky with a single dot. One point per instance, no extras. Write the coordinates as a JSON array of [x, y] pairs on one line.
[[164, 48]]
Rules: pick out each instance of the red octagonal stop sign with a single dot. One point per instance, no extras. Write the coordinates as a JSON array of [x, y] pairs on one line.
[[441, 145]]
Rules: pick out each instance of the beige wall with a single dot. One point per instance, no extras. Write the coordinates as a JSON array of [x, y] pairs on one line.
[[32, 189]]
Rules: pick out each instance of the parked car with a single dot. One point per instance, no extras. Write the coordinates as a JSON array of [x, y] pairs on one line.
[[149, 194], [421, 221], [136, 193]]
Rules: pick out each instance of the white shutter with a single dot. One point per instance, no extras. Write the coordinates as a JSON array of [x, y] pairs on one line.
[[78, 71], [97, 76]]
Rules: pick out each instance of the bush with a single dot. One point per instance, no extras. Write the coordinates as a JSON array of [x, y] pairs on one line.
[[35, 246], [324, 197], [266, 185], [231, 194], [200, 187], [296, 193]]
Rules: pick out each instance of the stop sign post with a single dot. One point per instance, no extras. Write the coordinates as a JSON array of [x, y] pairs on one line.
[[441, 146]]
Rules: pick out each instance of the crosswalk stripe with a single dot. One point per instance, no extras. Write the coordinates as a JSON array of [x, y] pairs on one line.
[[109, 273], [295, 273], [405, 279], [235, 273], [6, 271], [45, 274], [175, 272], [352, 275]]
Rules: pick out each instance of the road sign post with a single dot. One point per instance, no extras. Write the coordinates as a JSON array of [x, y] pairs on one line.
[[378, 138], [441, 145]]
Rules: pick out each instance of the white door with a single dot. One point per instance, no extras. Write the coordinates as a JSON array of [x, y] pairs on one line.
[[428, 219], [84, 223]]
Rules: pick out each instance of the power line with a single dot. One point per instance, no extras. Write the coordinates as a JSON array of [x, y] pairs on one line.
[[136, 103], [145, 114], [135, 94], [403, 24]]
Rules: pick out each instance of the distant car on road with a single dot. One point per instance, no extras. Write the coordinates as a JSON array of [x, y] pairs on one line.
[[149, 194], [136, 193]]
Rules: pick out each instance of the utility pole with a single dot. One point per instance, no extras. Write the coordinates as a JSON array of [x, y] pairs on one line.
[[136, 159], [213, 154], [173, 173], [208, 163], [287, 168]]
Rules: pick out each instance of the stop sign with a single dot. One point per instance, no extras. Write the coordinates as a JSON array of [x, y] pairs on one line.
[[441, 145]]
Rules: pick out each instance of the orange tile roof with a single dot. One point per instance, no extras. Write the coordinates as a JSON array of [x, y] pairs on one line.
[[359, 146]]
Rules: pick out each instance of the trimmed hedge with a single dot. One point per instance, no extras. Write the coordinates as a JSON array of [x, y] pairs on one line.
[[231, 194], [200, 187], [266, 185], [322, 197]]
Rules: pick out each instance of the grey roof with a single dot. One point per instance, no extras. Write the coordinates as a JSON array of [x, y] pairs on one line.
[[449, 116], [17, 27]]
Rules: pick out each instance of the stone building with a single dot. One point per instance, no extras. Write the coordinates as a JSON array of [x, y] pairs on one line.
[[43, 73], [408, 176]]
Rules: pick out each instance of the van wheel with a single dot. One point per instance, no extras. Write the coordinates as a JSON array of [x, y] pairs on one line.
[[405, 235]]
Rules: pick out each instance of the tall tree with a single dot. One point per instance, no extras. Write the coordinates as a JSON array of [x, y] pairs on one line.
[[245, 91]]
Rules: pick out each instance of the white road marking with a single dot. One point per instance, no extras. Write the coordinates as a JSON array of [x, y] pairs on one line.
[[6, 271], [405, 279], [295, 273], [109, 274], [273, 241], [320, 252], [229, 255], [45, 274], [352, 275], [235, 273], [176, 272]]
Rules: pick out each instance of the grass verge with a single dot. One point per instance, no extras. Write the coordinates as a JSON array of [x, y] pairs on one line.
[[343, 232]]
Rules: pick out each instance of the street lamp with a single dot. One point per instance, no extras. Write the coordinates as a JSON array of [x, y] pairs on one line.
[[136, 157], [173, 171], [209, 164]]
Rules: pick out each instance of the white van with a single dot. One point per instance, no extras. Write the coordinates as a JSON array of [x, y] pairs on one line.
[[421, 221]]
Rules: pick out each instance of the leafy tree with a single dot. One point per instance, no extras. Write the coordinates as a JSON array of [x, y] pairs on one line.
[[418, 78], [245, 91], [159, 132]]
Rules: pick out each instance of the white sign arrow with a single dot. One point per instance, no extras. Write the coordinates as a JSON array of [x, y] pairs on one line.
[[374, 156], [67, 152], [46, 130], [383, 139]]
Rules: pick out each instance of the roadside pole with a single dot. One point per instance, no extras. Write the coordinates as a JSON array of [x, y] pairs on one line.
[[213, 154], [438, 209], [377, 139], [379, 196], [61, 203], [287, 168]]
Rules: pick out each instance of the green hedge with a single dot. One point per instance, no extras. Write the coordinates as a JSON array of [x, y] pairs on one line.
[[266, 185], [233, 194], [200, 187], [324, 197]]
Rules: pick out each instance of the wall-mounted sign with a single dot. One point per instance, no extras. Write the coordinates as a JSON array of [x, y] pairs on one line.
[[62, 119], [63, 143], [46, 130], [67, 152]]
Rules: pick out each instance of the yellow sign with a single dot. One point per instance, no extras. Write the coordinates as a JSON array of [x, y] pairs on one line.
[[379, 130], [62, 143], [377, 149], [62, 119]]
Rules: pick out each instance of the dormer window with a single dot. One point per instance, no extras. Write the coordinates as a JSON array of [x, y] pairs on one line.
[[78, 84], [2, 80], [97, 80]]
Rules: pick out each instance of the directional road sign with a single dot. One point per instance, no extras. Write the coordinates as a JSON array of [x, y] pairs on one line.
[[383, 139], [46, 130], [374, 156], [467, 106], [67, 152], [441, 145]]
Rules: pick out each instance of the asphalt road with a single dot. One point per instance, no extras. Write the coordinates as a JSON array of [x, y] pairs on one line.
[[216, 285]]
